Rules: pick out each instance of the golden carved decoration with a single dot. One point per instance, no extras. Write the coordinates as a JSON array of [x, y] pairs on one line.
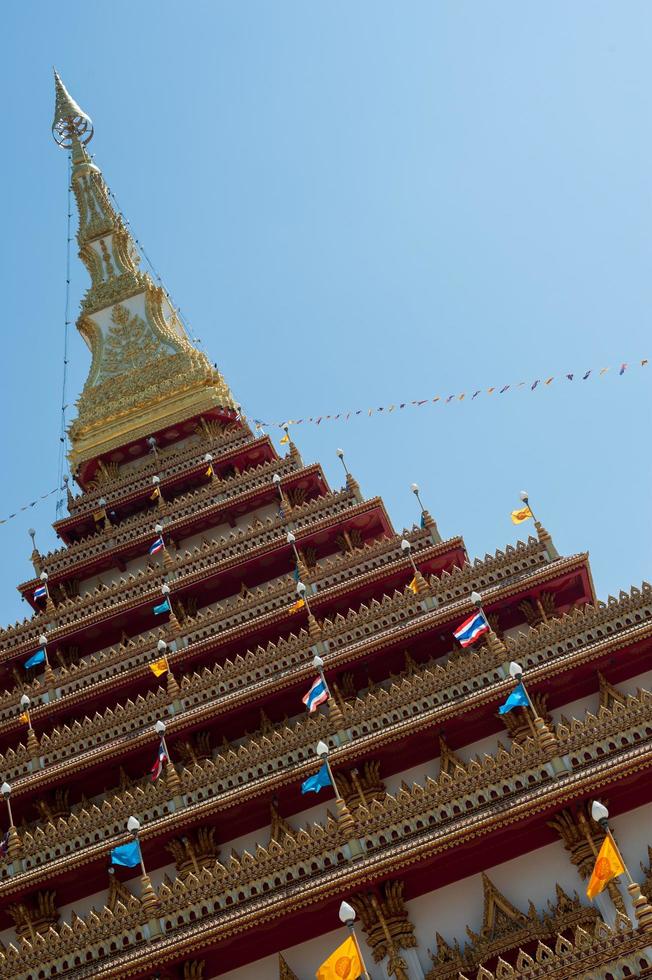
[[194, 970], [504, 930], [130, 345], [279, 827], [284, 971], [539, 610], [360, 787], [385, 922], [519, 723], [194, 851], [34, 915]]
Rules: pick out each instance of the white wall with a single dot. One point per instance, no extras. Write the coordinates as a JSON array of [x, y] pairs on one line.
[[450, 909]]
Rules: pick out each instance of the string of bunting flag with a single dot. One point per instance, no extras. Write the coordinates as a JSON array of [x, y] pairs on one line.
[[469, 395], [388, 409]]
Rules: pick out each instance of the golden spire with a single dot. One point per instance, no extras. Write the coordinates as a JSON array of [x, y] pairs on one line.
[[145, 374]]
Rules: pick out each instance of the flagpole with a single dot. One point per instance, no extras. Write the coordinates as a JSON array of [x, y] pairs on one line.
[[526, 500], [516, 671], [345, 820], [14, 843], [642, 909], [542, 733], [420, 584], [32, 741], [148, 895], [48, 673], [172, 780], [347, 917]]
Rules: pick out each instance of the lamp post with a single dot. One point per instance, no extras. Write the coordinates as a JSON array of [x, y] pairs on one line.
[[334, 709], [14, 844], [313, 626], [171, 685], [167, 557], [210, 472], [642, 909], [427, 520], [32, 741], [351, 483], [172, 780], [542, 534], [340, 456], [157, 493], [418, 584], [540, 730], [347, 918], [49, 605], [147, 895], [494, 644], [301, 568], [344, 818], [102, 513], [173, 622], [48, 673], [35, 557]]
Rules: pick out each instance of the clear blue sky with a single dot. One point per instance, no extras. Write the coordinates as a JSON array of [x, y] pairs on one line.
[[354, 205]]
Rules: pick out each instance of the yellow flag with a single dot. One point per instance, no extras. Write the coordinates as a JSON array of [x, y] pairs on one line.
[[296, 606], [25, 717], [413, 586], [518, 516], [285, 439], [158, 667], [343, 964], [608, 865], [155, 494], [209, 471]]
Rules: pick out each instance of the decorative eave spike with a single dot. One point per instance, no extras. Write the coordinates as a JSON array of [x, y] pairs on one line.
[[70, 123]]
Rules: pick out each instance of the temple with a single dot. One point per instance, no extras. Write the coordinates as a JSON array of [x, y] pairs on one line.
[[155, 749]]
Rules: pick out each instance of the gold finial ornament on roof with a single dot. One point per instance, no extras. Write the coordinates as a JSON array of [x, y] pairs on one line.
[[146, 375], [70, 122]]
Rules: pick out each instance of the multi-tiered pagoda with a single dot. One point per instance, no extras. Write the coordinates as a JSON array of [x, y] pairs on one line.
[[156, 752]]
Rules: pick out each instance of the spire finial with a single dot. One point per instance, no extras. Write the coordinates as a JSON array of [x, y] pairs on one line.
[[70, 122]]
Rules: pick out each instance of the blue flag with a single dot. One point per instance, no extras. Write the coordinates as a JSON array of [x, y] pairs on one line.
[[127, 855], [162, 608], [423, 519], [314, 783], [36, 658], [517, 699]]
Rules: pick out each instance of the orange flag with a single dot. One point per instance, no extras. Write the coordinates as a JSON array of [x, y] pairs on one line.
[[608, 865], [158, 667], [343, 964]]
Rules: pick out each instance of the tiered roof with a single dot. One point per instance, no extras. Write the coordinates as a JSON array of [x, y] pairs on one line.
[[160, 440]]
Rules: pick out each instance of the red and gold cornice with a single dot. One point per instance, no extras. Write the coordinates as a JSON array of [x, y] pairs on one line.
[[394, 839]]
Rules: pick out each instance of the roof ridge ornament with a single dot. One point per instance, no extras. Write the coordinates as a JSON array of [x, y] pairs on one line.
[[70, 124]]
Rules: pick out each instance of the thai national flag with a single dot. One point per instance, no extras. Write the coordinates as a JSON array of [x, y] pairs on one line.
[[41, 592], [157, 545], [160, 761], [317, 694], [472, 628]]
